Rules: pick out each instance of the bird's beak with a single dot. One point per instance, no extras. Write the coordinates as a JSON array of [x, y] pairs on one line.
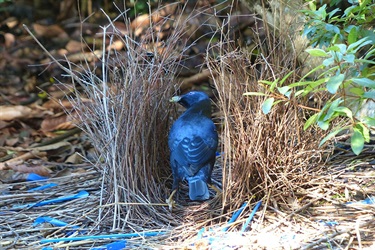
[[175, 99]]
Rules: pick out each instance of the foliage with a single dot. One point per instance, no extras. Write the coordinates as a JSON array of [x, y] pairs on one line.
[[142, 6], [326, 28], [346, 43]]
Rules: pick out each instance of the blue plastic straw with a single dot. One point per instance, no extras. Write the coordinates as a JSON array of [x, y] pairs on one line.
[[35, 177], [70, 229], [42, 187], [251, 216], [104, 236], [200, 233], [53, 221], [112, 246], [235, 216], [80, 194], [369, 201]]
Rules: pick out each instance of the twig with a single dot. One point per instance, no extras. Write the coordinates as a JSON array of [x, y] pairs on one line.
[[336, 234]]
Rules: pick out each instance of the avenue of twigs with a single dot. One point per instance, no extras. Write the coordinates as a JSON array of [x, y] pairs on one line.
[[123, 107]]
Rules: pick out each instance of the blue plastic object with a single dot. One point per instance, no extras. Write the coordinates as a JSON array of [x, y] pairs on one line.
[[200, 233], [50, 185], [104, 236], [35, 177], [112, 246], [53, 221], [58, 223], [81, 194], [251, 216], [328, 223], [117, 245], [235, 216], [368, 201]]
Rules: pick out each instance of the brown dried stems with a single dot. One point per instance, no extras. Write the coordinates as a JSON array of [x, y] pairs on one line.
[[264, 155]]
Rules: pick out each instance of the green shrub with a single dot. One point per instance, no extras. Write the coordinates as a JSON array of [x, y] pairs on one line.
[[346, 43]]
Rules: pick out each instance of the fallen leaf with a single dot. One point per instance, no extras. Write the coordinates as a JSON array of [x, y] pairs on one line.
[[11, 176], [23, 168], [51, 31], [74, 46], [140, 22], [17, 164], [4, 124], [8, 113], [62, 122], [11, 141], [20, 159], [62, 173], [9, 40], [54, 146], [74, 158], [57, 104]]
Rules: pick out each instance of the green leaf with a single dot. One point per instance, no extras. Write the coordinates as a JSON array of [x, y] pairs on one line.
[[283, 90], [370, 53], [346, 111], [278, 101], [359, 44], [369, 95], [369, 121], [357, 142], [323, 124], [255, 94], [321, 12], [317, 52], [349, 10], [353, 35], [331, 135], [331, 110], [312, 5], [310, 121], [339, 56], [349, 58], [333, 28], [338, 48], [364, 131], [274, 84], [286, 77], [365, 82], [265, 82], [267, 105], [357, 91], [287, 94], [312, 83], [311, 72], [318, 83], [364, 61], [299, 92], [334, 83], [333, 12], [328, 61]]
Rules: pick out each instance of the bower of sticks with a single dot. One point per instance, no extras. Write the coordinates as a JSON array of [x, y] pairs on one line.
[[279, 190]]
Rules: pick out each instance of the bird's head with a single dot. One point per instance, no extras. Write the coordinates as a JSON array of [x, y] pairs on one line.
[[190, 99]]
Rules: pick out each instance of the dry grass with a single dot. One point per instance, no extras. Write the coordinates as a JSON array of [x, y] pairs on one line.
[[264, 155], [128, 125]]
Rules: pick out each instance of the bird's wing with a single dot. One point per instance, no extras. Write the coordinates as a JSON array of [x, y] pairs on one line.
[[193, 154]]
